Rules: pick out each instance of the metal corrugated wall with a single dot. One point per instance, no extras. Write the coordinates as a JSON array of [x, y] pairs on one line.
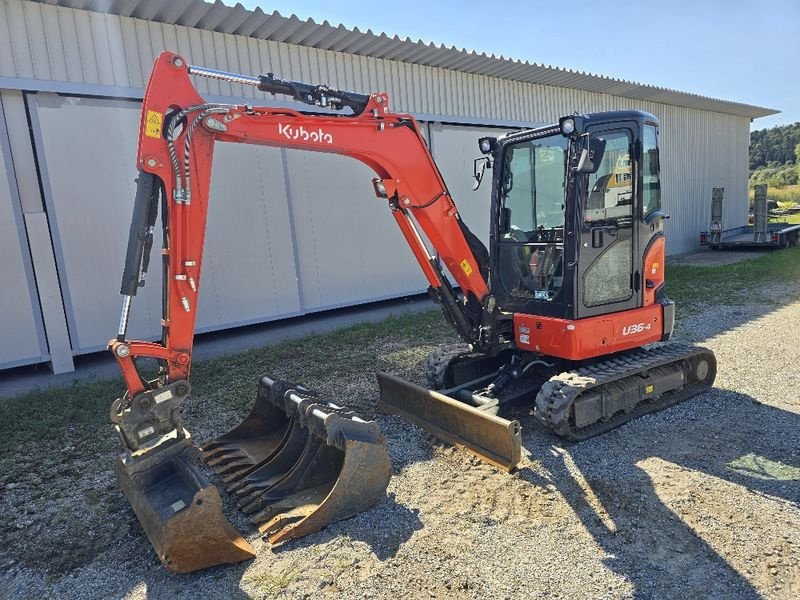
[[288, 232], [702, 149], [71, 51]]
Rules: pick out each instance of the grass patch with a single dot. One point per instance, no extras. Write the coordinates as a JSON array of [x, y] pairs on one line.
[[80, 411], [738, 283], [793, 219], [759, 467], [273, 584], [788, 195]]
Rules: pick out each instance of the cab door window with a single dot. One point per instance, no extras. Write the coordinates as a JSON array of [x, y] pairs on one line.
[[651, 183], [610, 197], [608, 224]]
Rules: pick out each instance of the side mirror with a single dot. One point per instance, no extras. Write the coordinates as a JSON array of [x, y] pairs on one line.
[[479, 166], [592, 156]]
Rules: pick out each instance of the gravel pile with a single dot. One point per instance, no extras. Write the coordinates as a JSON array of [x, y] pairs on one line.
[[702, 500]]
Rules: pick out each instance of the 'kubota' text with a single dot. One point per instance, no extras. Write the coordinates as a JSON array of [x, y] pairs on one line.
[[301, 133]]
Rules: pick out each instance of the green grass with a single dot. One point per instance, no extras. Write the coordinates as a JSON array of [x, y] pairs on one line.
[[793, 219], [55, 416], [788, 195], [738, 283], [272, 584]]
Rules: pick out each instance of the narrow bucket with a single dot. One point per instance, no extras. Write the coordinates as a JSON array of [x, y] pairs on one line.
[[298, 463], [491, 438], [179, 510]]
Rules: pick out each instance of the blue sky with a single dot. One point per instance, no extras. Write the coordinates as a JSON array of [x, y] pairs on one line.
[[734, 49]]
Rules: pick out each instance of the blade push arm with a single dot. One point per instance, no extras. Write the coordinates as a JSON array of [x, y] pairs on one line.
[[176, 141]]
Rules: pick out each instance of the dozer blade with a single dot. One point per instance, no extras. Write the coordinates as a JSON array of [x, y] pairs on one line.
[[491, 438], [298, 463], [179, 510]]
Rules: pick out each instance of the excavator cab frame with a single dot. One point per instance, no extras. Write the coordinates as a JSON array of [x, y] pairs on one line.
[[591, 261]]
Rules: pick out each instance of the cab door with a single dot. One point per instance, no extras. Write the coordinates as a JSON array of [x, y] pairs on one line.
[[606, 272]]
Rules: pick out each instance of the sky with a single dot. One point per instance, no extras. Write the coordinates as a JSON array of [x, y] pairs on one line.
[[729, 49]]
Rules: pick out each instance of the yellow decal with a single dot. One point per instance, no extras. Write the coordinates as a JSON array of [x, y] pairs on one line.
[[153, 125], [648, 389], [465, 267]]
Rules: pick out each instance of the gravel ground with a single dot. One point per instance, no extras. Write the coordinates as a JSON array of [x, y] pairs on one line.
[[701, 500]]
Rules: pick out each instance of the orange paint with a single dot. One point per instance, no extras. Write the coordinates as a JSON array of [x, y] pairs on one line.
[[653, 270], [587, 338]]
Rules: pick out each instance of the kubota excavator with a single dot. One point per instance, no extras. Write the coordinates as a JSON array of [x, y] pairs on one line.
[[565, 309]]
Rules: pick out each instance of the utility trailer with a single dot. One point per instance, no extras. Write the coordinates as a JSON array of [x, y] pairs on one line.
[[761, 234], [778, 235]]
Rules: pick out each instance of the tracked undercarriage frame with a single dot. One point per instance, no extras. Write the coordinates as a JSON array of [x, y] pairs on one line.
[[575, 404]]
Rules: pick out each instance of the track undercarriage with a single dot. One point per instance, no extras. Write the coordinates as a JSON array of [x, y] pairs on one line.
[[573, 401]]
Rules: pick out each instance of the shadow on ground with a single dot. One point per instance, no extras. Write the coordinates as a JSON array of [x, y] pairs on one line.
[[604, 482]]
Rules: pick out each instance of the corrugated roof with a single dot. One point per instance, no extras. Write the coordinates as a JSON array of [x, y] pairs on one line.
[[273, 26]]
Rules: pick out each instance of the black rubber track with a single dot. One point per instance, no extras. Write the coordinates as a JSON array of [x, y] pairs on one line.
[[555, 400]]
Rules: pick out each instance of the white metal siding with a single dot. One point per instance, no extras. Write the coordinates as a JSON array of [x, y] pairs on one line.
[[349, 247], [342, 238], [249, 273], [21, 337]]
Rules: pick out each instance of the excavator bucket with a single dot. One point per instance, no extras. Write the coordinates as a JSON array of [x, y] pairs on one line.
[[491, 438], [177, 507], [179, 510], [298, 463]]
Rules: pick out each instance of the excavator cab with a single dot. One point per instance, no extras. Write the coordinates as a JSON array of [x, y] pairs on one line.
[[569, 240]]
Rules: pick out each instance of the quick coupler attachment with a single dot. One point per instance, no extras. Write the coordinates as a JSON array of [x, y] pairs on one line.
[[298, 463], [489, 437], [180, 511]]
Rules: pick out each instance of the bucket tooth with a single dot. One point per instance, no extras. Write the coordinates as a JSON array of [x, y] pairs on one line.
[[179, 510], [223, 457], [491, 438]]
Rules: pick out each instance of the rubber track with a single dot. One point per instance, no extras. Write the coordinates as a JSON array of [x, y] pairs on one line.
[[555, 399], [439, 360]]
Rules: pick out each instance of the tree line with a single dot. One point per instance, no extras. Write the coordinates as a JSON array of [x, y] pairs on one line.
[[775, 155]]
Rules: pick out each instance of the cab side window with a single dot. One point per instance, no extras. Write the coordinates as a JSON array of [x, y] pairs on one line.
[[651, 184]]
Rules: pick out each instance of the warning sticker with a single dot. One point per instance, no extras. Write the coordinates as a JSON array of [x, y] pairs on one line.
[[465, 267], [154, 121], [163, 396]]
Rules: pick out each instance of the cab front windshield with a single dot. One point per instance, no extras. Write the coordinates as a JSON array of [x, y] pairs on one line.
[[533, 188]]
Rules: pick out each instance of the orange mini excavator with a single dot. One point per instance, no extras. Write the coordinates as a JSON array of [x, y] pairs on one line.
[[565, 309]]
